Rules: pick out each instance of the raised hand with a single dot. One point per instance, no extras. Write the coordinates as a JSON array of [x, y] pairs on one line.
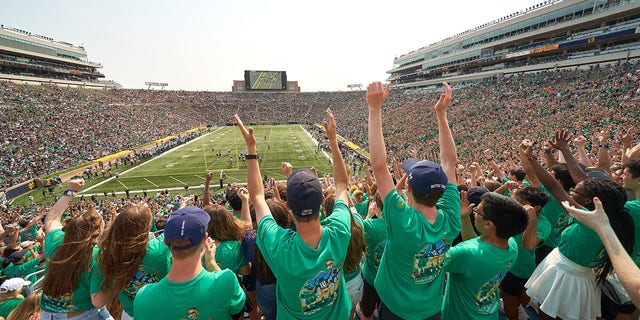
[[525, 147], [243, 194], [287, 168], [376, 94], [330, 127], [249, 138], [444, 100], [627, 138], [562, 140], [531, 211], [603, 137], [209, 176], [595, 219], [580, 141], [465, 207]]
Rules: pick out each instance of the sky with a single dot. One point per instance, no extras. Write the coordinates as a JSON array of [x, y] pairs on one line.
[[205, 45]]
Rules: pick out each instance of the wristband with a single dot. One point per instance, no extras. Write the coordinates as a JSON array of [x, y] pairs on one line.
[[606, 146], [548, 151], [69, 192], [251, 157]]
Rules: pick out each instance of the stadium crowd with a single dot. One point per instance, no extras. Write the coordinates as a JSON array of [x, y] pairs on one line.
[[125, 255], [45, 129]]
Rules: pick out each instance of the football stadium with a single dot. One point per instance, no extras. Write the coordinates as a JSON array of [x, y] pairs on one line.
[[499, 166]]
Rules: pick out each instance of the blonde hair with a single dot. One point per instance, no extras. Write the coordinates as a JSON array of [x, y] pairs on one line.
[[27, 308]]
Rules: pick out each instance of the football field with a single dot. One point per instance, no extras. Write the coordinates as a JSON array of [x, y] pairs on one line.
[[218, 151]]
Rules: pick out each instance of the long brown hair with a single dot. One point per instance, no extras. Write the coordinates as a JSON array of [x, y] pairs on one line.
[[281, 215], [124, 246], [357, 246], [73, 255], [223, 226]]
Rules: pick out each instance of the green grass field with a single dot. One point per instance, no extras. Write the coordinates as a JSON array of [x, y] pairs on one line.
[[187, 164]]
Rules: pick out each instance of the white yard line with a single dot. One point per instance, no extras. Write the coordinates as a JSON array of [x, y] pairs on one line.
[[177, 180], [156, 157], [125, 187], [157, 186]]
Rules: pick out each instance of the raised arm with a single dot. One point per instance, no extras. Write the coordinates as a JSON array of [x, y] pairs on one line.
[[531, 175], [286, 169], [376, 95], [52, 219], [448, 157], [625, 268], [550, 160], [367, 177], [473, 169], [340, 175], [466, 208], [245, 213], [549, 182], [207, 193], [627, 141], [604, 161], [254, 178], [562, 144], [530, 235], [580, 142], [494, 166]]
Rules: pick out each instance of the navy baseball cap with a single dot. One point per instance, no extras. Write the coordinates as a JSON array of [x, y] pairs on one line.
[[475, 193], [16, 256], [425, 177], [304, 193], [188, 223]]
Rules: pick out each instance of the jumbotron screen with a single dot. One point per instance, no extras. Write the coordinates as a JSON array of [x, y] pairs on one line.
[[265, 80]]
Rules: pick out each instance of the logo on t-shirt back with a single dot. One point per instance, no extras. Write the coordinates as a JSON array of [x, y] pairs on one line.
[[321, 290], [427, 263], [487, 298], [140, 279]]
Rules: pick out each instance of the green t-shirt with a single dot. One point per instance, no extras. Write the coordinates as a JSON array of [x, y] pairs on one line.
[[375, 235], [52, 241], [634, 211], [229, 256], [410, 277], [557, 216], [89, 282], [311, 281], [210, 295], [526, 261], [362, 207], [24, 269], [475, 269], [29, 256], [581, 245], [8, 306], [29, 234], [154, 266]]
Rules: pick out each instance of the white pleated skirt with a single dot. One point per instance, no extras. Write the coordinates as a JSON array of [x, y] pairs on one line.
[[564, 288]]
